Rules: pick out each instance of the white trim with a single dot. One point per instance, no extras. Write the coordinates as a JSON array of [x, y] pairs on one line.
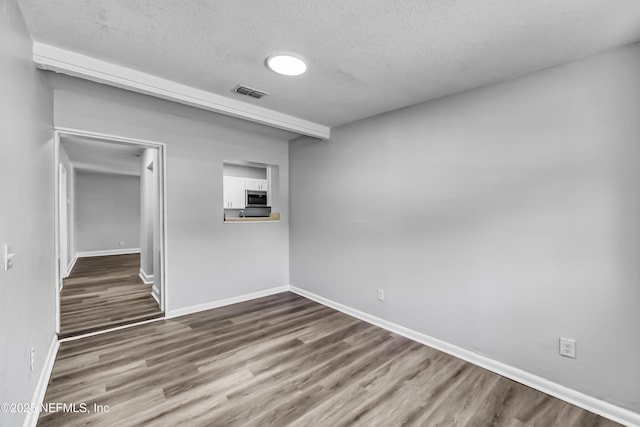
[[56, 228], [600, 407], [64, 61], [68, 272], [107, 136], [227, 301], [41, 387], [155, 293], [164, 245], [71, 265], [108, 252], [147, 279], [63, 221]]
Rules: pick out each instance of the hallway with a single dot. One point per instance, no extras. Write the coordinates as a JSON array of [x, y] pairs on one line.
[[104, 292]]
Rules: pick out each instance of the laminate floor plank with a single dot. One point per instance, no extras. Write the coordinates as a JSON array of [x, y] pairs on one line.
[[301, 381], [329, 381], [104, 292], [284, 360]]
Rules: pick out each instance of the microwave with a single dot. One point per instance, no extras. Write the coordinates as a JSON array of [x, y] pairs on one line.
[[256, 199]]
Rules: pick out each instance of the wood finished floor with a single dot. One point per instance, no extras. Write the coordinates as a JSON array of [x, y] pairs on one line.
[[284, 360], [104, 292]]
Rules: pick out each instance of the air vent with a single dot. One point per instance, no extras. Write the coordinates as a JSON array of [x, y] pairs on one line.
[[249, 91]]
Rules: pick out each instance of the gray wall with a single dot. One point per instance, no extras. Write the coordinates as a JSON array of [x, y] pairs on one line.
[[496, 220], [27, 296], [107, 211], [207, 260]]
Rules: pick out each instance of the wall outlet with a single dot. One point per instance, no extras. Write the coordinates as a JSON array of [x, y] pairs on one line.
[[121, 243], [32, 358], [568, 347], [380, 294]]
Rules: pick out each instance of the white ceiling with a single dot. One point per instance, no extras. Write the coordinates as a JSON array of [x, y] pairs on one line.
[[364, 57], [102, 156]]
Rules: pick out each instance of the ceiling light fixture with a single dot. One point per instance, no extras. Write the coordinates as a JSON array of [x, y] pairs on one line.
[[286, 65]]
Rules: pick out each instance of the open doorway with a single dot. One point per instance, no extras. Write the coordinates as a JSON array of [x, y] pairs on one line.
[[109, 232]]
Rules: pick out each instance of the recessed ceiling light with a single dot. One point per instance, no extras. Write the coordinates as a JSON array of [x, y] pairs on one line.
[[287, 65]]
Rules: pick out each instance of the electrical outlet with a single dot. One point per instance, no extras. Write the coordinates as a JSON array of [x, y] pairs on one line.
[[121, 243], [380, 294], [568, 347], [32, 358]]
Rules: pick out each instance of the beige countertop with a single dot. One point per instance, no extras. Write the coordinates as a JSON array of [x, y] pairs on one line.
[[274, 217]]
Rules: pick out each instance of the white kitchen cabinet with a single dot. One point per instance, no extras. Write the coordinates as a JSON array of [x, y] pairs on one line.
[[233, 192], [256, 184]]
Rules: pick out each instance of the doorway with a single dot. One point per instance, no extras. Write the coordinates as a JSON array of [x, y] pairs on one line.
[[110, 231]]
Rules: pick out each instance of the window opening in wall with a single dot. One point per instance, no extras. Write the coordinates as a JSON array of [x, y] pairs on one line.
[[250, 192]]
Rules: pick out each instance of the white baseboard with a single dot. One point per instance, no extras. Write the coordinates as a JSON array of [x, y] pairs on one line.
[[600, 407], [147, 279], [71, 265], [155, 293], [227, 301], [123, 251], [43, 381]]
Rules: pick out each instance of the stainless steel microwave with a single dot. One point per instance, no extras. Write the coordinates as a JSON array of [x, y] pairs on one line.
[[256, 199]]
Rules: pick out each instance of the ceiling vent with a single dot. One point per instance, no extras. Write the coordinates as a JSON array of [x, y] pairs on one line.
[[249, 91]]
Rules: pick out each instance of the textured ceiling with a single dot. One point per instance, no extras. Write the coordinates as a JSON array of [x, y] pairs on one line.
[[102, 156], [364, 57]]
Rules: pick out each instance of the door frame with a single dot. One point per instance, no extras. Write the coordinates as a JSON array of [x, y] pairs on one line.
[[162, 195], [63, 223]]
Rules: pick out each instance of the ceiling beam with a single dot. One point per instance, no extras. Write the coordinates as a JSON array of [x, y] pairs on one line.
[[74, 64]]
